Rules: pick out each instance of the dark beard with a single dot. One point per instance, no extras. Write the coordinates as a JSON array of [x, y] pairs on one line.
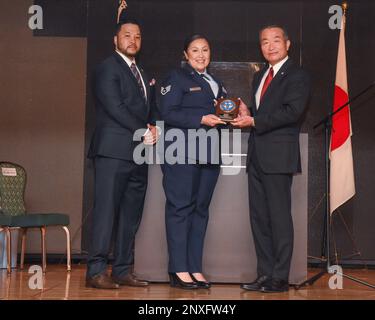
[[128, 54]]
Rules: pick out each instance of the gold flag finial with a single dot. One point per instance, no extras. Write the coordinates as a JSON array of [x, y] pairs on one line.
[[122, 6], [344, 6]]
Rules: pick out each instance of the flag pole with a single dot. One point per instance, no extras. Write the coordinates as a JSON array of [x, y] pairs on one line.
[[331, 114], [326, 241], [344, 7]]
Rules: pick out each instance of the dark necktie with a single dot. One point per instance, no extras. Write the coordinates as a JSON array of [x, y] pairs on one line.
[[266, 83], [137, 76], [204, 77]]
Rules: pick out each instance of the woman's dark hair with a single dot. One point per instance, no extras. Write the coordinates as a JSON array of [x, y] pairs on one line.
[[192, 38]]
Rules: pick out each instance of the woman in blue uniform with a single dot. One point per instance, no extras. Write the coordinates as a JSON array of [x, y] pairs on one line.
[[188, 102]]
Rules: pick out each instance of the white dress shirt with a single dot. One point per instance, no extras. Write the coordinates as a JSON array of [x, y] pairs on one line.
[[213, 84], [129, 62], [276, 69]]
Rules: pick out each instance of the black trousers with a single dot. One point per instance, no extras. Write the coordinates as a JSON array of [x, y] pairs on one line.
[[120, 188], [271, 220], [188, 189]]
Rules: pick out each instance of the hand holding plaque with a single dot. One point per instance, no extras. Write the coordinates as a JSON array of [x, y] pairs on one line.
[[227, 109]]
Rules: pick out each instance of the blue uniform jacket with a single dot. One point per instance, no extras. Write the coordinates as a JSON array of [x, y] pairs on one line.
[[185, 98]]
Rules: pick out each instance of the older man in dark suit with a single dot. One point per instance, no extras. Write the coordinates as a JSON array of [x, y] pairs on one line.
[[124, 104], [279, 99]]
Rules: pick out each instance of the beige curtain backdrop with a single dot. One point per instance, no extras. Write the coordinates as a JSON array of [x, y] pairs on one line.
[[42, 103]]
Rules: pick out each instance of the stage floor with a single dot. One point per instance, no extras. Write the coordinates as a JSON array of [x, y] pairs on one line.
[[60, 285]]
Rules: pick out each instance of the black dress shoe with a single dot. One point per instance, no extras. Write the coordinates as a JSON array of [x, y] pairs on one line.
[[275, 285], [255, 285], [176, 282], [201, 284]]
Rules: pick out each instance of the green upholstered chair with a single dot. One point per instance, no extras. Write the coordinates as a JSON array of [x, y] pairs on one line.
[[13, 213]]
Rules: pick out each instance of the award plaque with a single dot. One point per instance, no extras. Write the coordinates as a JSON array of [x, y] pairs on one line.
[[227, 109]]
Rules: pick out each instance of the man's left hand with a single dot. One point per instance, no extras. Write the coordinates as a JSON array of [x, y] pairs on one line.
[[243, 109], [152, 136], [243, 121]]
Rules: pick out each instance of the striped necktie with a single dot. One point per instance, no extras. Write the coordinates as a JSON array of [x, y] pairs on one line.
[[137, 76]]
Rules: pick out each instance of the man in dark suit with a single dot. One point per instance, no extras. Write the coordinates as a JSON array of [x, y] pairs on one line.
[[124, 105], [279, 99]]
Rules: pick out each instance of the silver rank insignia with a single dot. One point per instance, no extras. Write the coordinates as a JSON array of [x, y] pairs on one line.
[[165, 90]]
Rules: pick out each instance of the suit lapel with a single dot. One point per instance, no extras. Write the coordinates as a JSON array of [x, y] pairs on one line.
[[147, 85], [130, 75], [275, 81], [126, 68], [257, 79], [146, 81]]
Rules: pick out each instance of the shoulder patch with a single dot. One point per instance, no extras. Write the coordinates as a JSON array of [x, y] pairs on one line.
[[165, 90]]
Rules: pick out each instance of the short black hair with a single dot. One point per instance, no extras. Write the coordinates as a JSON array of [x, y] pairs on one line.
[[126, 21], [192, 38], [285, 32]]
